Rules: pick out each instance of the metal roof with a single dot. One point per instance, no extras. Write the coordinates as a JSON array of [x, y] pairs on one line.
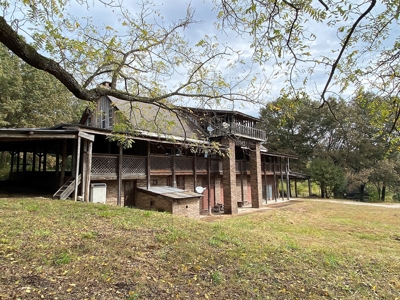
[[170, 192]]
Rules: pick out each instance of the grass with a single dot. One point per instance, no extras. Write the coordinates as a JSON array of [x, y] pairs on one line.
[[309, 250]]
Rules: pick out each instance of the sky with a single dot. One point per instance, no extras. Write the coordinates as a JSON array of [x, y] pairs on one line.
[[206, 14]]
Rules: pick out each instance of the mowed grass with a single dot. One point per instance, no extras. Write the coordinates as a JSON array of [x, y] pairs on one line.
[[308, 250]]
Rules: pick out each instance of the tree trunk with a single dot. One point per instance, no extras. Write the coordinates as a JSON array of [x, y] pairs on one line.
[[362, 187], [383, 193], [322, 190]]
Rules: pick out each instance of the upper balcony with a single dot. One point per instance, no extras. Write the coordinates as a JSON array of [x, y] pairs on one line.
[[239, 130]]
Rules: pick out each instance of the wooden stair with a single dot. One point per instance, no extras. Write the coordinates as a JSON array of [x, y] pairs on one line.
[[67, 188]]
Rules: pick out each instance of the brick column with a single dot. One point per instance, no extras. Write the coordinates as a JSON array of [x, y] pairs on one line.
[[229, 178], [255, 177]]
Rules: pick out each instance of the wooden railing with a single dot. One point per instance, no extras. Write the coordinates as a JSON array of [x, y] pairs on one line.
[[107, 165], [240, 130]]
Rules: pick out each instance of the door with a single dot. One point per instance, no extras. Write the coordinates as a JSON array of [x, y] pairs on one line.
[[129, 192]]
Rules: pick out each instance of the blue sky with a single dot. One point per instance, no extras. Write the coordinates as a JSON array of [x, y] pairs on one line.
[[326, 42]]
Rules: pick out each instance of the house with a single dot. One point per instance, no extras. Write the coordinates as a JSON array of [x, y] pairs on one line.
[[172, 165]]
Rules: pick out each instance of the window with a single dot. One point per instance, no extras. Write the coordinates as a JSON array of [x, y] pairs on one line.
[[103, 119], [110, 117], [89, 120]]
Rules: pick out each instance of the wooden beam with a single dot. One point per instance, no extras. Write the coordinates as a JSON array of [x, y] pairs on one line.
[[281, 169], [89, 171], [287, 179], [119, 175], [86, 136], [78, 156], [84, 169], [194, 172], [63, 158], [148, 166]]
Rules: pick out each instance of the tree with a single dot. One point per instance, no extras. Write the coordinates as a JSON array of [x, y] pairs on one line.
[[361, 39], [384, 174], [329, 176], [32, 98], [139, 57], [300, 127]]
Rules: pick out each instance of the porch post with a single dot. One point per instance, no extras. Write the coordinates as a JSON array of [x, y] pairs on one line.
[[24, 162], [63, 158], [229, 178], [58, 160], [148, 166], [194, 172], [78, 156], [241, 181], [281, 169], [255, 177], [209, 183], [88, 171], [84, 169], [119, 175], [288, 179], [173, 167], [275, 181], [12, 161], [265, 181], [34, 160]]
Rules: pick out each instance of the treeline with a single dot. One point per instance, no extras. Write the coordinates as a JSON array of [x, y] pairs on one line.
[[344, 145]]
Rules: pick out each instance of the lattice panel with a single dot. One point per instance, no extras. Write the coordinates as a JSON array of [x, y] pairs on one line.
[[216, 166], [184, 164], [159, 163], [104, 165], [201, 164], [134, 165]]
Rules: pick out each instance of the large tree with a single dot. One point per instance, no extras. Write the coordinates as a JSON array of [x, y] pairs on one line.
[[133, 47], [33, 98], [332, 46]]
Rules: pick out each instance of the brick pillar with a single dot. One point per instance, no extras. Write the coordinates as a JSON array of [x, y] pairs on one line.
[[229, 178], [255, 177]]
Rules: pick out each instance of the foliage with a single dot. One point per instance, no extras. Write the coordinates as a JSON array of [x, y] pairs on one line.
[[32, 98], [138, 53], [362, 47], [303, 250], [329, 176]]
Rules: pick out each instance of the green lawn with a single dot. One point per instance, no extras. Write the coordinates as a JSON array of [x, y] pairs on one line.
[[309, 250]]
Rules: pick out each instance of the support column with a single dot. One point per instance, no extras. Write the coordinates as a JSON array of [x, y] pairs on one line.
[[88, 171], [148, 166], [282, 187], [119, 175], [78, 157], [288, 179], [194, 172], [63, 162], [229, 178], [255, 177]]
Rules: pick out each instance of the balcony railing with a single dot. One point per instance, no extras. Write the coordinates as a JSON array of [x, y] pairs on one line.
[[240, 130], [107, 165]]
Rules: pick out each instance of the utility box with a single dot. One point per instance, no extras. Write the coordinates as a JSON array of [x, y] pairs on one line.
[[98, 192]]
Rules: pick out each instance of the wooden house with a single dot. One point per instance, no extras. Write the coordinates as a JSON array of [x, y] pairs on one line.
[[171, 165]]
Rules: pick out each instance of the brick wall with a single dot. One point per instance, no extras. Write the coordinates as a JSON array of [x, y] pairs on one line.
[[187, 208], [111, 191], [229, 178], [183, 207], [156, 202]]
